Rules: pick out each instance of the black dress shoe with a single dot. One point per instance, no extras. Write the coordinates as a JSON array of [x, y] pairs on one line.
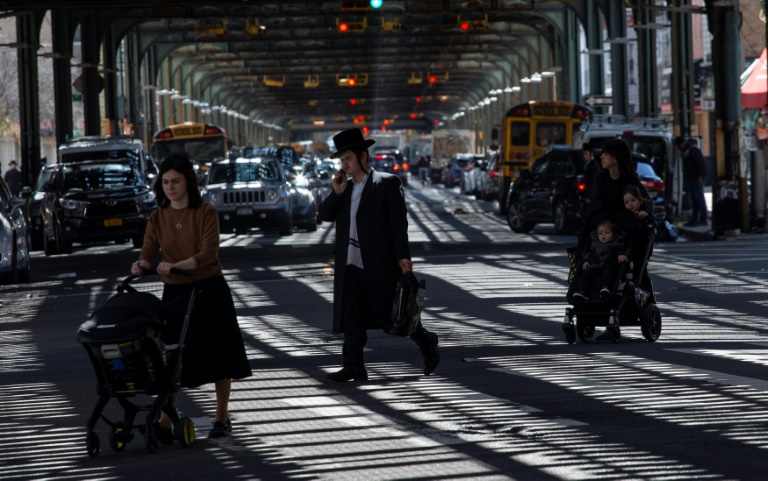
[[431, 354], [348, 373]]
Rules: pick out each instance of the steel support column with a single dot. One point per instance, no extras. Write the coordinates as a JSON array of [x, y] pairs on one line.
[[63, 31], [646, 57], [91, 80], [111, 108], [682, 72], [28, 36], [617, 28]]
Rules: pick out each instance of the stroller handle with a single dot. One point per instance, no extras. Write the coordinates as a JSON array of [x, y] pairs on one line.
[[150, 272]]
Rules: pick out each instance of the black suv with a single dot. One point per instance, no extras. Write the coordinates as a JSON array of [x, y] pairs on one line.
[[551, 192], [94, 200], [392, 161]]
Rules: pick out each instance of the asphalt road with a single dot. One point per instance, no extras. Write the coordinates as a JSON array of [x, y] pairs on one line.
[[510, 399]]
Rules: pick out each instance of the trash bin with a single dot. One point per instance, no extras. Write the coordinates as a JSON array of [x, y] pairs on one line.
[[725, 206]]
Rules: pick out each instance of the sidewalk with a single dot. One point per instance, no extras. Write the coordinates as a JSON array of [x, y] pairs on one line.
[[702, 233]]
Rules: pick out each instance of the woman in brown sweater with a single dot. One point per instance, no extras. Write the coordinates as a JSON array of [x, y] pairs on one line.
[[184, 233]]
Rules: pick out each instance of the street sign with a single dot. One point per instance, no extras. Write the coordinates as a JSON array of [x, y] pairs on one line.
[[598, 100]]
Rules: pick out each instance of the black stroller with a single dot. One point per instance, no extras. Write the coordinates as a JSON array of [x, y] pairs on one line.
[[124, 344], [632, 302]]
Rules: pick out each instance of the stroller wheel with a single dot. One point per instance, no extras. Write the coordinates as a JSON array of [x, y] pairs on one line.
[[614, 333], [118, 438], [570, 333], [650, 322], [150, 440], [187, 432], [584, 331], [92, 444]]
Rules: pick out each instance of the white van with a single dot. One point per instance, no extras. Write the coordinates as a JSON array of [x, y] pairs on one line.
[[648, 136]]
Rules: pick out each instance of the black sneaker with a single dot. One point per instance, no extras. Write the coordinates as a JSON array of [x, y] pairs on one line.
[[220, 430], [605, 293], [348, 373], [431, 354], [580, 296]]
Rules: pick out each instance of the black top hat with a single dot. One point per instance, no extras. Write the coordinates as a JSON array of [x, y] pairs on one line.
[[350, 140], [13, 162]]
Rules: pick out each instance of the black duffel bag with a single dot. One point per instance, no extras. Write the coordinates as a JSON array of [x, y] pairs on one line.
[[407, 305]]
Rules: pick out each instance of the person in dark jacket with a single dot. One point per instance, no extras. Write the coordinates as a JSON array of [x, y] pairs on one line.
[[694, 172], [371, 253], [13, 178]]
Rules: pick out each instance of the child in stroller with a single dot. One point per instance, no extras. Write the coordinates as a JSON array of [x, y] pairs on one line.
[[629, 300], [134, 350], [606, 252]]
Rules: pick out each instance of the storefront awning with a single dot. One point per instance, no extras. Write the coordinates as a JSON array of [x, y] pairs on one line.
[[754, 90]]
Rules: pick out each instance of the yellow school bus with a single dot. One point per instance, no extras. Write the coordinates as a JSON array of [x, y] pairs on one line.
[[203, 143], [528, 129]]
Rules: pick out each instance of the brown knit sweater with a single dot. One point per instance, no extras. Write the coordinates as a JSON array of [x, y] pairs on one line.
[[198, 238]]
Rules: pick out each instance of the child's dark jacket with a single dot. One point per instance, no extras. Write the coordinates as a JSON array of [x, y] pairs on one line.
[[600, 254]]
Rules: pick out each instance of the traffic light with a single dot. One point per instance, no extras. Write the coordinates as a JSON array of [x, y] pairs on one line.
[[343, 27], [465, 26], [376, 3]]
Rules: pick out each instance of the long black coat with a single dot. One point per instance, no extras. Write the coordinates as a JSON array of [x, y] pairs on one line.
[[382, 228]]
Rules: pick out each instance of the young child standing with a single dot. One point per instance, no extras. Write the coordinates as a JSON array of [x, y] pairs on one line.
[[605, 254], [634, 202]]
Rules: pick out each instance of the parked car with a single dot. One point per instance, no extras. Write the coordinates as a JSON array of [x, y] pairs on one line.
[[552, 192], [391, 161], [92, 200], [470, 180], [14, 249], [306, 194], [453, 172], [250, 192], [489, 179]]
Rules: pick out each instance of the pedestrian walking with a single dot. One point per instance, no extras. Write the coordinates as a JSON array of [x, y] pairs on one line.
[[371, 253], [184, 230], [423, 166], [13, 178], [694, 172]]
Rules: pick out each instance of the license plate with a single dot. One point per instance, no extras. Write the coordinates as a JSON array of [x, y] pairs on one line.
[[112, 222], [245, 211]]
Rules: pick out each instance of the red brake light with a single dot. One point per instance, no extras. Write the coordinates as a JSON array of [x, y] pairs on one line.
[[654, 184], [405, 166], [381, 157], [580, 184], [396, 167], [492, 174]]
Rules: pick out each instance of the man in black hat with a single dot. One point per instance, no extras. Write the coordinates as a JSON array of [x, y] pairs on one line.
[[371, 253], [694, 171], [13, 178]]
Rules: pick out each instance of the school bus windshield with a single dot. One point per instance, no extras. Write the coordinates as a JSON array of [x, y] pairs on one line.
[[200, 150]]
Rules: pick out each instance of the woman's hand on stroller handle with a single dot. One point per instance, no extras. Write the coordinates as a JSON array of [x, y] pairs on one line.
[[142, 269]]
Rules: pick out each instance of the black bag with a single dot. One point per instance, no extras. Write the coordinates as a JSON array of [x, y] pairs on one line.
[[406, 308]]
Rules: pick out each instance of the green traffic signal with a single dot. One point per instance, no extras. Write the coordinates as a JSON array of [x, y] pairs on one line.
[[376, 3]]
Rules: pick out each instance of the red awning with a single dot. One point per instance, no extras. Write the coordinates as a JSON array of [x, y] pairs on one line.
[[755, 88]]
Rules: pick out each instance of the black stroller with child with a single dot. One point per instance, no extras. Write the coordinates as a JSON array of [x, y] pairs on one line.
[[135, 348], [630, 300]]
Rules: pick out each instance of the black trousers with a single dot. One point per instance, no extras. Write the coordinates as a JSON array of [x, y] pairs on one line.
[[358, 316], [607, 273]]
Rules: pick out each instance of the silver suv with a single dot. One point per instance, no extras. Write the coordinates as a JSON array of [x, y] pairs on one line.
[[250, 192]]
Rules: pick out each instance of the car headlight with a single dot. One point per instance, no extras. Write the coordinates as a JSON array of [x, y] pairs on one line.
[[146, 198], [214, 197], [70, 204], [272, 194]]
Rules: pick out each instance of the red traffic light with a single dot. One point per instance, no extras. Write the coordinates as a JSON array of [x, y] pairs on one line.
[[343, 27], [465, 26], [432, 79], [413, 116], [353, 101]]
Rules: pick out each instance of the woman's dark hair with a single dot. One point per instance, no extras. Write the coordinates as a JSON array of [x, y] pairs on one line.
[[619, 149], [634, 192], [181, 164]]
